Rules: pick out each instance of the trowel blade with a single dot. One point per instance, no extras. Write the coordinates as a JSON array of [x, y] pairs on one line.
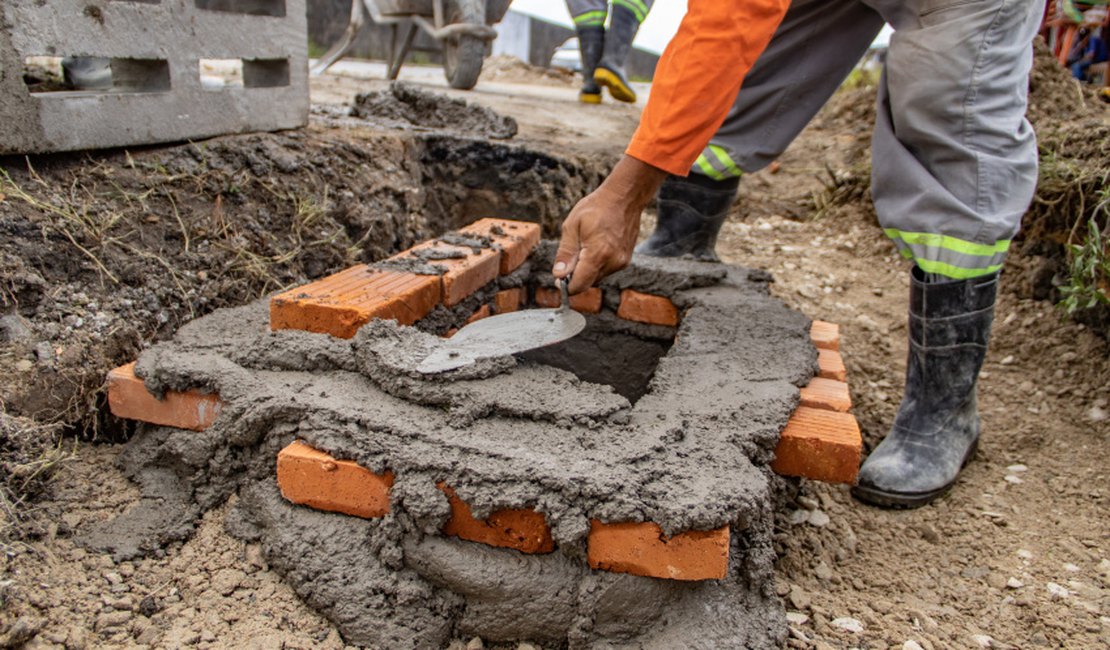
[[503, 334]]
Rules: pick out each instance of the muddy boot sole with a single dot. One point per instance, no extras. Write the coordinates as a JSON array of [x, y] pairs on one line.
[[908, 500], [620, 90]]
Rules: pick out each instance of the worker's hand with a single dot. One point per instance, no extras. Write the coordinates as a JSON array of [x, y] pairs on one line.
[[601, 230]]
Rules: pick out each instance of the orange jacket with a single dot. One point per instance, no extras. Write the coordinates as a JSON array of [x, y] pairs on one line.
[[698, 77]]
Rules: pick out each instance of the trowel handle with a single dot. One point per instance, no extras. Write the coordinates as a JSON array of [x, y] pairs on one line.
[[563, 283]]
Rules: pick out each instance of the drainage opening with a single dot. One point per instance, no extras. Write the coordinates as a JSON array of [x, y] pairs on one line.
[[602, 355]]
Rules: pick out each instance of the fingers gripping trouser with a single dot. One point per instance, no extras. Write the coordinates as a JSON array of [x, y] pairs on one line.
[[592, 13], [954, 162]]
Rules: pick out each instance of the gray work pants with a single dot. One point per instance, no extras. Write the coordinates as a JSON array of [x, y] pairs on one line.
[[954, 162], [591, 13]]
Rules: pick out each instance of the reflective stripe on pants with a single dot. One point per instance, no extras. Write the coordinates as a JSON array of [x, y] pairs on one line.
[[954, 162]]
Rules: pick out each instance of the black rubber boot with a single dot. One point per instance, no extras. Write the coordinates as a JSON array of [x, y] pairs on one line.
[[691, 212], [936, 430], [610, 72], [591, 43]]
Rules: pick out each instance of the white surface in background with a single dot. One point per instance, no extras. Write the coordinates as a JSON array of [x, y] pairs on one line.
[[654, 34]]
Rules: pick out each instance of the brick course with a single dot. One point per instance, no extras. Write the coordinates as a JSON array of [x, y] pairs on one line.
[[128, 398], [341, 303], [524, 530], [641, 549], [647, 308], [313, 478]]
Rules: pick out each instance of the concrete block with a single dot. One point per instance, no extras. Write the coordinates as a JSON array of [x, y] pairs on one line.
[[156, 49]]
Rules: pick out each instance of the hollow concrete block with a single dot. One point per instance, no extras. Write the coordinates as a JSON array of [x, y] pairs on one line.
[[155, 50]]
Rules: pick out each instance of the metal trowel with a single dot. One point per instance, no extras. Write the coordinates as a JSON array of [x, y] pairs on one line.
[[504, 334]]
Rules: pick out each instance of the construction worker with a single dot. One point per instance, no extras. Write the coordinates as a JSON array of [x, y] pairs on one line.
[[604, 56], [954, 166]]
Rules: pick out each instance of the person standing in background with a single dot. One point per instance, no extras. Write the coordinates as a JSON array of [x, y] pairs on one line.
[[604, 55]]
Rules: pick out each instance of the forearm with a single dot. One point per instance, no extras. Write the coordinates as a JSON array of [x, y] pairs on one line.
[[632, 182]]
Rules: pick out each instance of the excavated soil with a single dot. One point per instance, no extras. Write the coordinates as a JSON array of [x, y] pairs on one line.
[[1017, 556]]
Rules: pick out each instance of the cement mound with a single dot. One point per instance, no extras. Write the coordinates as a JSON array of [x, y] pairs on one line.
[[406, 106], [683, 440]]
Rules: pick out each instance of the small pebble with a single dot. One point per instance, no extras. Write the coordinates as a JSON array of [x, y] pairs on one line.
[[1017, 468], [796, 618], [798, 517], [818, 518], [1024, 554], [822, 571], [799, 598], [809, 503], [982, 640], [1056, 592], [912, 645], [1071, 567], [849, 624], [1014, 583], [1097, 414], [1013, 480], [475, 644], [1009, 360]]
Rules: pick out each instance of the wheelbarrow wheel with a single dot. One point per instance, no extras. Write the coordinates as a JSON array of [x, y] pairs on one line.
[[463, 55]]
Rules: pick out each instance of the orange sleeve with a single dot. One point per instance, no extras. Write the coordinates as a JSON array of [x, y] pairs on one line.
[[698, 77]]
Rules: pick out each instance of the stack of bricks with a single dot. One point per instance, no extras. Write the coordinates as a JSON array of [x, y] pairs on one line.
[[821, 440]]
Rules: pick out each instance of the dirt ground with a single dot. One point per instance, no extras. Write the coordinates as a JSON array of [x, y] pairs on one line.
[[1017, 556]]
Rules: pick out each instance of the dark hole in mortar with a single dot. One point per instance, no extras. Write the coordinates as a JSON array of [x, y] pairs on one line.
[[603, 356]]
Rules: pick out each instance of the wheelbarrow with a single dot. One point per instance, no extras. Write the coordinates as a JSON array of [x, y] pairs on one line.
[[463, 27]]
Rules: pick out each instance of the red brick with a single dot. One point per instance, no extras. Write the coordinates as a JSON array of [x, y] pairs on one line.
[[831, 365], [827, 394], [516, 239], [315, 479], [524, 530], [646, 308], [825, 335], [588, 302], [483, 312], [465, 274], [128, 398], [821, 445], [640, 549], [508, 300], [340, 304]]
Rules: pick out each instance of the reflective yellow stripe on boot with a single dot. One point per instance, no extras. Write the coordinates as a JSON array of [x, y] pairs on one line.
[[621, 91]]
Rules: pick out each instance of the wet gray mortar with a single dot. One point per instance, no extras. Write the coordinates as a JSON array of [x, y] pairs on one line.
[[692, 453]]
